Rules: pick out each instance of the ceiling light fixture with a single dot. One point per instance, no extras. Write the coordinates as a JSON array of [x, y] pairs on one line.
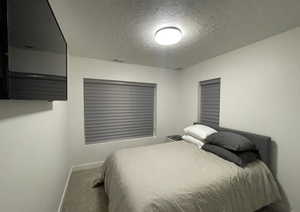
[[168, 36]]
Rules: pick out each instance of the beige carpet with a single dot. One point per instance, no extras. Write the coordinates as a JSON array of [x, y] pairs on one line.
[[81, 197]]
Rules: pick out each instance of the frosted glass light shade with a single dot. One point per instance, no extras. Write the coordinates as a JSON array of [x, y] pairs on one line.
[[168, 36]]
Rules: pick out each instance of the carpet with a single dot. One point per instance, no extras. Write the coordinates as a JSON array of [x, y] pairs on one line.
[[81, 196]]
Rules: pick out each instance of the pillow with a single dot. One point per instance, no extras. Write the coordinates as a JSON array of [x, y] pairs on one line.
[[199, 131], [239, 158], [193, 140], [231, 141]]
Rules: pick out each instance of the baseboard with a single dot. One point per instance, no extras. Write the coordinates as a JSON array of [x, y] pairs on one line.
[[85, 166], [65, 190]]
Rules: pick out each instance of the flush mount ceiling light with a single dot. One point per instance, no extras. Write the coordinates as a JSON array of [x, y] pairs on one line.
[[168, 36]]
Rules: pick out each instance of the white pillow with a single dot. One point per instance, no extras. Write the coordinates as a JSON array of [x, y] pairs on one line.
[[199, 131], [193, 140]]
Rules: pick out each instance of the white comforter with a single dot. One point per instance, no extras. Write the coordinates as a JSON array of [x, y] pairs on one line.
[[178, 177]]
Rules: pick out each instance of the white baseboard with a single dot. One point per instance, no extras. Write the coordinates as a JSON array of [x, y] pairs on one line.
[[85, 166], [65, 190], [74, 169]]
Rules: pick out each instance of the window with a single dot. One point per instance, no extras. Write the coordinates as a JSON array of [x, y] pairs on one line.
[[210, 102], [117, 110]]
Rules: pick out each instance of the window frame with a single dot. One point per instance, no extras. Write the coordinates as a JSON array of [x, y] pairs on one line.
[[126, 83], [200, 100]]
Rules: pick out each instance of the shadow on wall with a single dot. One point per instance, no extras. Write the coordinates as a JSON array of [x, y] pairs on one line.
[[283, 205], [14, 108]]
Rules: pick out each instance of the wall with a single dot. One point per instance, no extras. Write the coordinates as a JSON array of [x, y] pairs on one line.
[[260, 93], [167, 104], [34, 160]]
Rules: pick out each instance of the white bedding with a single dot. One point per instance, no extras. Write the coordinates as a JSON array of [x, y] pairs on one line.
[[193, 140], [179, 177]]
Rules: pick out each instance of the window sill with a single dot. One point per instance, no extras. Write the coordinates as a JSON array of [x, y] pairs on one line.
[[144, 139]]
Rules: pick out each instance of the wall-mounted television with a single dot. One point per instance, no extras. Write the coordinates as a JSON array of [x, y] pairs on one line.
[[33, 63]]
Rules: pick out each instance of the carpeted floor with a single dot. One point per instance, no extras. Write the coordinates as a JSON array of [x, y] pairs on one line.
[[81, 197]]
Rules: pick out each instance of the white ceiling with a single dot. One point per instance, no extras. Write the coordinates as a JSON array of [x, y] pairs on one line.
[[124, 29]]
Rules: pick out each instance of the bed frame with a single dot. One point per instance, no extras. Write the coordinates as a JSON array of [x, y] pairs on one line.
[[263, 143]]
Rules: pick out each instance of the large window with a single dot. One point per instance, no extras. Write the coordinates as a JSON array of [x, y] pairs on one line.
[[117, 110], [210, 102]]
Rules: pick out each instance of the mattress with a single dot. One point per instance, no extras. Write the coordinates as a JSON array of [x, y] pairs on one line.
[[179, 177]]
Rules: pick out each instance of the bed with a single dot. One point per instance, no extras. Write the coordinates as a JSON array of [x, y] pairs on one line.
[[180, 177]]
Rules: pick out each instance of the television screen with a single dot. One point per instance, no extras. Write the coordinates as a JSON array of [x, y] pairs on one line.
[[37, 52]]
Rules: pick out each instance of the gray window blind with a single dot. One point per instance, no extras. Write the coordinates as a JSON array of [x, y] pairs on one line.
[[117, 110], [210, 102]]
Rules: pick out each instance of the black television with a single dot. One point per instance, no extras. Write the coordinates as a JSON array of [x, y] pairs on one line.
[[33, 63]]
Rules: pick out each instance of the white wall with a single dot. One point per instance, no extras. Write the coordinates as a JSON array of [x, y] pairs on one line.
[[34, 160], [167, 104], [260, 93]]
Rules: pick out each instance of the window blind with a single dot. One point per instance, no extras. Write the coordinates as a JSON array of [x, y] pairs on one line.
[[210, 102], [117, 110]]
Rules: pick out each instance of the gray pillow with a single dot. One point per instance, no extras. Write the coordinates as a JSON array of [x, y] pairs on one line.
[[239, 158], [231, 141]]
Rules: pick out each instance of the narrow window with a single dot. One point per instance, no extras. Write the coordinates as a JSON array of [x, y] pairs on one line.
[[117, 110], [210, 102]]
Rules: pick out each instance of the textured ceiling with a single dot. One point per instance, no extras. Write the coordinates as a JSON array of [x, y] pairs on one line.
[[124, 29]]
